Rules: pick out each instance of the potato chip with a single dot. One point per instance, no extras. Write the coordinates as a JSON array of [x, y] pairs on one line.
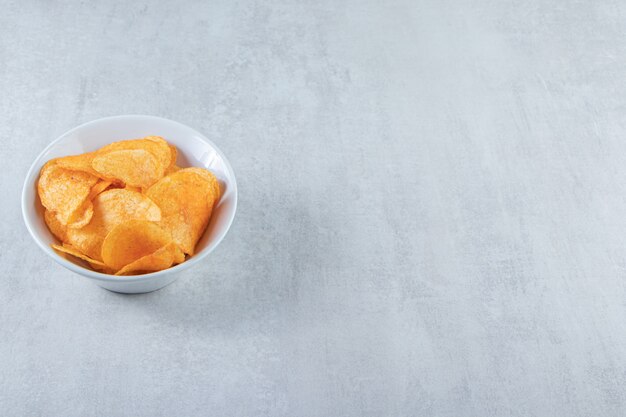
[[102, 268], [185, 201], [111, 208], [131, 240], [156, 145], [131, 188], [69, 249], [80, 162], [135, 167], [58, 230], [82, 216], [172, 168], [215, 185], [162, 258], [173, 155], [63, 191], [98, 188]]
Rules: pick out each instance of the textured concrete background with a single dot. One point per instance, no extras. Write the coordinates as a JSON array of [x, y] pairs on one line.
[[432, 215]]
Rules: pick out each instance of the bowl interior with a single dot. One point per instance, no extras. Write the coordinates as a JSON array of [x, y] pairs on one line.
[[194, 149]]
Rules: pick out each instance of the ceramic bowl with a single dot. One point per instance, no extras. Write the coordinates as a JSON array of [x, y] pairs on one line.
[[194, 149]]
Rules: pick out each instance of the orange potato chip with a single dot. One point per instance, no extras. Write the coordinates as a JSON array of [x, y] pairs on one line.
[[80, 162], [156, 145], [172, 168], [58, 230], [185, 201], [63, 191], [69, 249], [173, 155], [100, 267], [111, 208], [215, 185], [82, 216], [132, 240], [167, 157], [131, 188], [103, 269], [98, 188], [162, 258], [135, 167]]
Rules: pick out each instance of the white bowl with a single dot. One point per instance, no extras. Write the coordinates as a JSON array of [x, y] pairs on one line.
[[194, 149]]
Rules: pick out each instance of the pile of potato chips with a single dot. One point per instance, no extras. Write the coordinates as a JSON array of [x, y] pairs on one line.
[[126, 208]]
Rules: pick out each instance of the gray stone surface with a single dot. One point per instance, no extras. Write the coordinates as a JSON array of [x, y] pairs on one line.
[[432, 216]]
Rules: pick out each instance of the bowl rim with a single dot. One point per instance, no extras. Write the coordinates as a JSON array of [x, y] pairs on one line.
[[197, 257]]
